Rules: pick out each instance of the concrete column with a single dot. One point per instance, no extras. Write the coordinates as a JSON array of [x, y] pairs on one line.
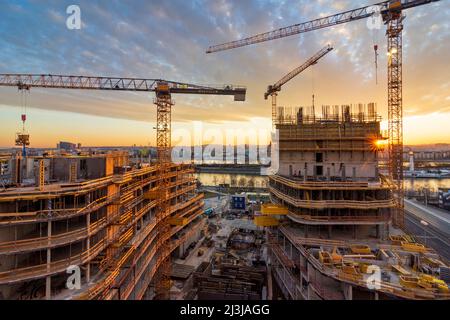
[[301, 278], [349, 292], [48, 288], [88, 247], [48, 279], [386, 231]]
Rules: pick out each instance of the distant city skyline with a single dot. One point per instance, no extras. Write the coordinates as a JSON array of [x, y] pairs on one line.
[[168, 40]]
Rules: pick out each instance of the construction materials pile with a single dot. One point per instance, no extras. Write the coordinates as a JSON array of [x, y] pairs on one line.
[[226, 281]]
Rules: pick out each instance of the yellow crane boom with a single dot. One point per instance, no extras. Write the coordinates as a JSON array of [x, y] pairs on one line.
[[273, 90]]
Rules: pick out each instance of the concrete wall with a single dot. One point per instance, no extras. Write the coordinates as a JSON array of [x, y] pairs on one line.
[[96, 168], [60, 169], [87, 168], [335, 163]]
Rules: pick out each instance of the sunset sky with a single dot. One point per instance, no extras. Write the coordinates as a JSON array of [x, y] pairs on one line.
[[168, 39]]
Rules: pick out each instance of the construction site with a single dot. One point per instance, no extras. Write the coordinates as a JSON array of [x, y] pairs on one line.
[[332, 229]]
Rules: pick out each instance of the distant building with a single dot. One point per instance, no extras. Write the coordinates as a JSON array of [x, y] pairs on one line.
[[68, 146]]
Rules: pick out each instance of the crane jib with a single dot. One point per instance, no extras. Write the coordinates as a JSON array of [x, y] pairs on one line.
[[27, 81], [352, 15], [311, 61]]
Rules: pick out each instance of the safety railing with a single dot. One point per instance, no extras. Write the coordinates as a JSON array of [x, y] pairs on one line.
[[14, 218], [35, 244], [387, 287], [109, 280], [42, 270], [336, 204], [328, 185]]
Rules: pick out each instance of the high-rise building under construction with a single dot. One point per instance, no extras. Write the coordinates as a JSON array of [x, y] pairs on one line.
[[336, 208]]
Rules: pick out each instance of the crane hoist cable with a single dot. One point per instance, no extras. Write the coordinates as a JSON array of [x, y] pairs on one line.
[[375, 48], [23, 105], [375, 32], [313, 93]]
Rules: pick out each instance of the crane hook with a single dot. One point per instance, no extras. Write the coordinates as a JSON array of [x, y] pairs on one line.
[[375, 48]]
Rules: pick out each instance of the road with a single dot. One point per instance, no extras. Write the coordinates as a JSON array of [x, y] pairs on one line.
[[437, 233], [440, 219]]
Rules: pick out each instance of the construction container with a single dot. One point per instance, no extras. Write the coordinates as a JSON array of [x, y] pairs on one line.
[[273, 209], [265, 221], [413, 247], [361, 249], [238, 202]]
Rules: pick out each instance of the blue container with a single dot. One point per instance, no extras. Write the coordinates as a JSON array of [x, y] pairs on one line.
[[238, 202]]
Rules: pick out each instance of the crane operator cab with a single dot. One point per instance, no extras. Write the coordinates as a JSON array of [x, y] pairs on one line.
[[394, 11], [162, 89], [395, 5]]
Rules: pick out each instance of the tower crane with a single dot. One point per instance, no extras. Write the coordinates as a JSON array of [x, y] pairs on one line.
[[273, 90], [391, 13], [163, 90]]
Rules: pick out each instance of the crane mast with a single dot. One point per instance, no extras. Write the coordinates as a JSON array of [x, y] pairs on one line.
[[395, 111], [391, 12], [273, 90], [164, 105], [163, 101]]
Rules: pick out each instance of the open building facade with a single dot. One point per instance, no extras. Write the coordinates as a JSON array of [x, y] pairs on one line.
[[92, 212]]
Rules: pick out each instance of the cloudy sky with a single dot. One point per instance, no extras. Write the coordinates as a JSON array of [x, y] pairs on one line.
[[168, 39]]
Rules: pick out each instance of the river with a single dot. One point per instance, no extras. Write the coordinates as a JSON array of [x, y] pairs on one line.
[[244, 180], [234, 180]]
